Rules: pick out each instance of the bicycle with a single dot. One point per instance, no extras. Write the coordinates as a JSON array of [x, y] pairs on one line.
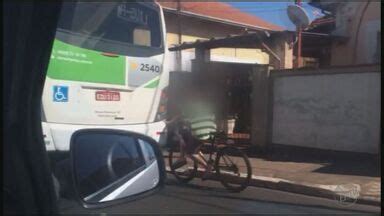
[[225, 169]]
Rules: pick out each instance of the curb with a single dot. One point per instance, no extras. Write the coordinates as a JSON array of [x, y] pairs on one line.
[[324, 191]]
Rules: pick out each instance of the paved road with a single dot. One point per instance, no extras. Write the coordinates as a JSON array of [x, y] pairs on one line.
[[210, 197]]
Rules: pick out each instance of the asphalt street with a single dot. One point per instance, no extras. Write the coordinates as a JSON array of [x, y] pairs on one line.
[[210, 197]]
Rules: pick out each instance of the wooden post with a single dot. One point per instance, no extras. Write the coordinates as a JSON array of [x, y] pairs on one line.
[[202, 54], [179, 35]]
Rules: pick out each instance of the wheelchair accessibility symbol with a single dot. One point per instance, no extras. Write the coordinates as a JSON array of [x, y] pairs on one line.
[[60, 93]]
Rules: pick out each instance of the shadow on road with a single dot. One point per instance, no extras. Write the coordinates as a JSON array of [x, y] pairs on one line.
[[203, 191], [185, 197], [335, 162]]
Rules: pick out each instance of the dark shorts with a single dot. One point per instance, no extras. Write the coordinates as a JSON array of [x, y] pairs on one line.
[[192, 143]]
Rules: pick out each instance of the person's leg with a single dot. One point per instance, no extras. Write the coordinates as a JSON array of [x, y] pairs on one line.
[[201, 154], [193, 151], [182, 147], [199, 159], [181, 161], [181, 143]]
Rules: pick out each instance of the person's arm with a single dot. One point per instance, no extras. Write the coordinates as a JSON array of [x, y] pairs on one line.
[[172, 120]]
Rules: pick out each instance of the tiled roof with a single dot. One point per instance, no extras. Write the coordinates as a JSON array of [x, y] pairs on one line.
[[221, 11]]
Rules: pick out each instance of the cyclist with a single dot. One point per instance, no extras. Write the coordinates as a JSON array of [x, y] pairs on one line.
[[198, 111]]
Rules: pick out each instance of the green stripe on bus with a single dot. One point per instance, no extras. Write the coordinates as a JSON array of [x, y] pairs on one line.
[[153, 84], [73, 63]]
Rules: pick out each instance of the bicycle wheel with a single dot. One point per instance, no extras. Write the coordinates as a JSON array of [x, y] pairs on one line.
[[184, 173], [233, 168]]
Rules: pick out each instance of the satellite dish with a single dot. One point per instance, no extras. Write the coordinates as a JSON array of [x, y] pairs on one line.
[[298, 16]]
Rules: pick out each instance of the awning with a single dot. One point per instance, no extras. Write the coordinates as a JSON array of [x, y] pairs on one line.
[[254, 40], [247, 40]]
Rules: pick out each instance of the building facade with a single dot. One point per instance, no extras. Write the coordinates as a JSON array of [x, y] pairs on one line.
[[191, 21], [357, 27]]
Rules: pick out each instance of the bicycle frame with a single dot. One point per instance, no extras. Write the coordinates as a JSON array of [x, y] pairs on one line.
[[214, 149], [213, 153]]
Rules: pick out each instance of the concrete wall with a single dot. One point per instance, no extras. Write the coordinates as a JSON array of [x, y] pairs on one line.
[[330, 111], [363, 40]]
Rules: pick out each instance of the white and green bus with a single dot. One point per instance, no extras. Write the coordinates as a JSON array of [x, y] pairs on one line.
[[107, 70]]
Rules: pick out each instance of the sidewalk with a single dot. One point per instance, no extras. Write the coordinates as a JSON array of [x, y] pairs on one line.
[[317, 177]]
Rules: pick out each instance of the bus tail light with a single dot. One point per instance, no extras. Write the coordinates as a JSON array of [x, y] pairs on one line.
[[162, 109]]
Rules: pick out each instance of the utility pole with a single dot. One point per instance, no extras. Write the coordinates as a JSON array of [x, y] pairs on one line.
[[298, 30]]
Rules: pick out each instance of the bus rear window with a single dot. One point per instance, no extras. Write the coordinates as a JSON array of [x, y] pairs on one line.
[[113, 27]]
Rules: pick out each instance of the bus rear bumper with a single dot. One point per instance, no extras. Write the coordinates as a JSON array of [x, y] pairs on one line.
[[57, 136]]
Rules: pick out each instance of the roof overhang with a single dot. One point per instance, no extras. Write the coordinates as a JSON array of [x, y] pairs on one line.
[[247, 40], [254, 40], [215, 19]]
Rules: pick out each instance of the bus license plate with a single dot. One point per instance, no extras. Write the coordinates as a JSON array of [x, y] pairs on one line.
[[107, 96]]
